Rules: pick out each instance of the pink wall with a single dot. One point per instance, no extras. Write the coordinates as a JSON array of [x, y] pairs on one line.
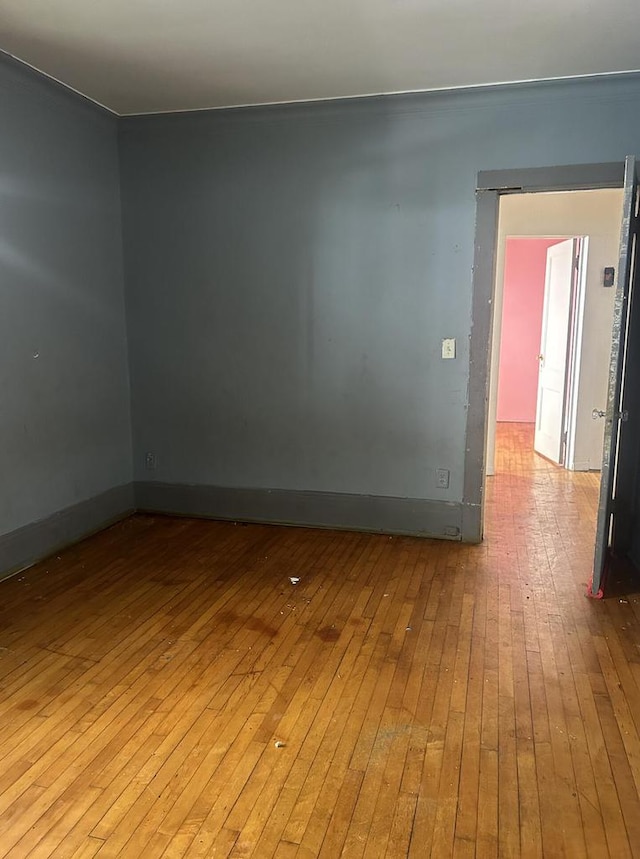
[[524, 269]]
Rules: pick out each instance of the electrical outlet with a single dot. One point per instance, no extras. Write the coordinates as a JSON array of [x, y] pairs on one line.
[[442, 478], [449, 347], [150, 461]]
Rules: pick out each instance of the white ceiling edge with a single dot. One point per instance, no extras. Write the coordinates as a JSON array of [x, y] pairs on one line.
[[356, 96], [341, 98], [59, 82]]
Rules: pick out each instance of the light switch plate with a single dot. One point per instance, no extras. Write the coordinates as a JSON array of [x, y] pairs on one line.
[[449, 348]]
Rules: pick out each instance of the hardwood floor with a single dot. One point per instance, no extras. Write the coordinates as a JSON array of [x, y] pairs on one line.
[[167, 691]]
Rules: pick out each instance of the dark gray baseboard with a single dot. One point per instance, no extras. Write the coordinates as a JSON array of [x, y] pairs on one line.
[[379, 514], [24, 546], [411, 516]]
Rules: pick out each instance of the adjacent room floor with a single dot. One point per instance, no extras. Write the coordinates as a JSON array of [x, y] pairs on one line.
[[175, 687]]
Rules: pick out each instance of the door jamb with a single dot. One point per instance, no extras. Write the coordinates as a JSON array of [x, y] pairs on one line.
[[575, 344], [490, 185]]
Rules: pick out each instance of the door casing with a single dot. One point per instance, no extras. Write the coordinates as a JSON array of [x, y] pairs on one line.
[[490, 186]]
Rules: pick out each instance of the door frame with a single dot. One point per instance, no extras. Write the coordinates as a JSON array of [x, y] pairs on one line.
[[491, 184], [575, 344]]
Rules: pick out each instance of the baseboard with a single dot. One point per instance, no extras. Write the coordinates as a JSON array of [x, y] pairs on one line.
[[27, 545], [411, 516], [379, 514]]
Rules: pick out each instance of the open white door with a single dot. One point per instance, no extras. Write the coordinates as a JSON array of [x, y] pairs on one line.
[[554, 350]]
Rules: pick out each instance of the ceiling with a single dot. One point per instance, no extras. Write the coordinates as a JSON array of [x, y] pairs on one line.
[[139, 56]]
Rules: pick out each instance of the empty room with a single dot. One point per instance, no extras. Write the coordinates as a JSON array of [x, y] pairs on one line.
[[319, 429]]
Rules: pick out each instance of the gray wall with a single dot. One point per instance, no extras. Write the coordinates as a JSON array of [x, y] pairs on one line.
[[65, 432], [291, 271]]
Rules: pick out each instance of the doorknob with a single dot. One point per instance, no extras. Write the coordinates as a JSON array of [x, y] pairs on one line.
[[597, 413]]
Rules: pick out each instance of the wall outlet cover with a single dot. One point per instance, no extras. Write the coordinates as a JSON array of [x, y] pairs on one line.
[[442, 478], [449, 348]]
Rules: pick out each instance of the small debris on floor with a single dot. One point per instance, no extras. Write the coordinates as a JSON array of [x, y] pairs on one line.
[[294, 579], [279, 744], [624, 601]]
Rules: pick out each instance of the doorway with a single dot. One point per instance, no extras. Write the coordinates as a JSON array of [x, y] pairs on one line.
[[619, 504], [529, 226]]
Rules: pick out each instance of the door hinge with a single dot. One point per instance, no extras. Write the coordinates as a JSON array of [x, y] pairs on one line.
[[577, 262], [623, 416]]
